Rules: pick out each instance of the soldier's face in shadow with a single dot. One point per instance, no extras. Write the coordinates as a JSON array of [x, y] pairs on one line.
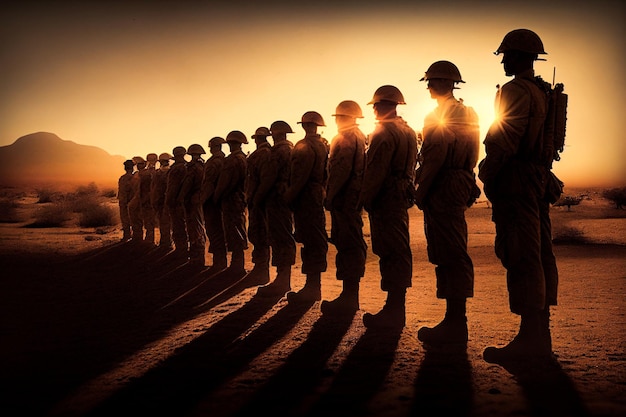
[[384, 109]]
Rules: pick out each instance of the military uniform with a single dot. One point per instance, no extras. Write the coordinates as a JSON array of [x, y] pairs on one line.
[[212, 211], [147, 211], [134, 209], [124, 196], [176, 208], [162, 212], [194, 216]]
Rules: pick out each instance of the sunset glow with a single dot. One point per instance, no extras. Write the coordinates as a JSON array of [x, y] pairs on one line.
[[139, 78]]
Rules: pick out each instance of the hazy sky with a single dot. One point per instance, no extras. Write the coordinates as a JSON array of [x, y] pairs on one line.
[[140, 77]]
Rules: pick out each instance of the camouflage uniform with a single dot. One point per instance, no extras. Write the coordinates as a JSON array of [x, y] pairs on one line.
[[194, 217], [446, 189], [176, 208], [257, 188]]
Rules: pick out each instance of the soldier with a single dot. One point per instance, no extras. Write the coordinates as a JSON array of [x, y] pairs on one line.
[[190, 197], [147, 211], [279, 215], [176, 208], [385, 194], [157, 197], [258, 184], [514, 173], [230, 194], [346, 164], [134, 207], [306, 193], [212, 211], [124, 195], [446, 188]]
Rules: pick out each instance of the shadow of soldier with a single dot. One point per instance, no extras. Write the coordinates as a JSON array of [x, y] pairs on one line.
[[547, 388], [350, 393], [290, 389], [443, 386], [179, 384]]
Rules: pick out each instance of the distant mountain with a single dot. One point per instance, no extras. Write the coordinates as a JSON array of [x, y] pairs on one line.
[[43, 158]]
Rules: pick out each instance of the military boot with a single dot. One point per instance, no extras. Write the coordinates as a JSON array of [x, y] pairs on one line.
[[346, 303], [260, 274], [280, 285], [452, 329], [312, 290], [220, 262], [237, 264], [392, 315]]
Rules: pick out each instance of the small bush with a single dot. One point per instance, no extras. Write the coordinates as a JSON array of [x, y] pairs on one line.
[[53, 215], [89, 189], [109, 193], [97, 215], [47, 195], [569, 236], [617, 196], [8, 211]]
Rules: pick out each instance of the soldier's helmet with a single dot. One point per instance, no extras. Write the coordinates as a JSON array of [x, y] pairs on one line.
[[179, 150], [165, 156], [261, 132], [152, 157], [195, 149], [348, 108], [312, 117], [129, 163], [138, 160], [216, 141], [443, 69], [280, 126], [387, 93], [524, 40], [236, 136]]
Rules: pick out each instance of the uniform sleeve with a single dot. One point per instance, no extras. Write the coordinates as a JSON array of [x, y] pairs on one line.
[[433, 156], [340, 161], [302, 161], [266, 176], [377, 169]]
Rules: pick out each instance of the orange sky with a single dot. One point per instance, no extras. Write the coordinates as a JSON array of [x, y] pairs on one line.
[[137, 78]]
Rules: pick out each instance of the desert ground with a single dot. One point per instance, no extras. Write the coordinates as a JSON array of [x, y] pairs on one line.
[[94, 327]]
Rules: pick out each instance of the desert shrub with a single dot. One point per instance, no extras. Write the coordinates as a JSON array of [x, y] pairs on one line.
[[89, 189], [569, 201], [53, 215], [8, 211], [48, 195], [616, 196], [97, 215], [569, 236], [109, 193], [80, 203]]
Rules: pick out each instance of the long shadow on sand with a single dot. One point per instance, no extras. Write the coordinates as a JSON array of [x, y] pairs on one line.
[[178, 384]]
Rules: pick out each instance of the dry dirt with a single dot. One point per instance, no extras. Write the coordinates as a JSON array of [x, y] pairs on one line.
[[93, 327]]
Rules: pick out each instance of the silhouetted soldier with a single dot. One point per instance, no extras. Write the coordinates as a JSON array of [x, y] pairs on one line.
[[305, 195], [230, 194], [190, 196], [157, 197], [134, 207], [346, 165], [387, 185], [446, 188], [124, 195], [175, 180], [258, 185], [514, 173], [213, 211], [279, 215], [147, 211]]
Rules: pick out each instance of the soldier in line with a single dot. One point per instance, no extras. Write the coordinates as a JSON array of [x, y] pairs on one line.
[[190, 197], [212, 211], [134, 207], [175, 179], [279, 215], [124, 195], [385, 194], [257, 187], [147, 211], [157, 197], [446, 188], [514, 172], [346, 165], [306, 193], [230, 194]]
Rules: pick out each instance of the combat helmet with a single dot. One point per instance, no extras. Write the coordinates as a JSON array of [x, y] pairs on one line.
[[443, 69], [179, 150], [195, 149], [165, 156], [261, 132], [280, 126], [151, 157], [129, 163], [387, 93], [236, 136], [138, 160], [313, 117], [524, 40], [216, 141], [348, 108]]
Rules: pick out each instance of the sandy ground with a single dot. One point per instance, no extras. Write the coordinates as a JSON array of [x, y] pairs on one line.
[[93, 327]]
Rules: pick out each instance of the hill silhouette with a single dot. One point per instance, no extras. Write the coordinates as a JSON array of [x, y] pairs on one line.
[[43, 158]]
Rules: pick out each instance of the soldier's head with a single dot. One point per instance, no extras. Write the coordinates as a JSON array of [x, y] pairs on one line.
[[347, 112], [519, 49], [260, 135], [385, 100], [195, 151], [139, 162], [215, 144], [152, 159], [179, 153], [235, 139], [310, 121], [164, 159], [129, 165], [442, 77], [279, 130]]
